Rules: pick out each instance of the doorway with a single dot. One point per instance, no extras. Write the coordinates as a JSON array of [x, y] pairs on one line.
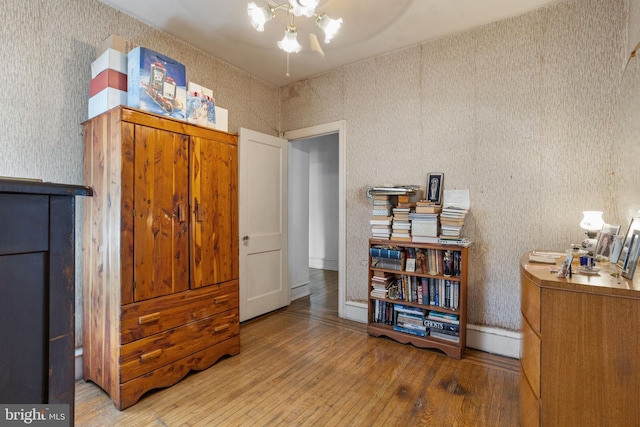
[[317, 206]]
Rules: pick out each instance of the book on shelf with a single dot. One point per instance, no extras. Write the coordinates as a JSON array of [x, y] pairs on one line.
[[421, 332], [457, 241], [387, 263], [401, 237], [424, 239], [386, 252], [436, 324], [444, 336], [443, 317], [427, 208]]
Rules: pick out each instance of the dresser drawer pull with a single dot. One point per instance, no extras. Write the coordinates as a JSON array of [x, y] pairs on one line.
[[221, 328], [151, 355], [221, 299], [153, 317]]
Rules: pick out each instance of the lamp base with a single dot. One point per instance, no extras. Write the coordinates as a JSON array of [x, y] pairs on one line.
[[589, 245]]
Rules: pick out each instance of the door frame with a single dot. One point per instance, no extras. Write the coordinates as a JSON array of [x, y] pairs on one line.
[[338, 127]]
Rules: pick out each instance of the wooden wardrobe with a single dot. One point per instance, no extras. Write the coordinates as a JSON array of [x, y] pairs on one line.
[[160, 251]]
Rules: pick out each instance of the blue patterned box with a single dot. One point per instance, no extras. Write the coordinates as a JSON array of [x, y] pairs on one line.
[[156, 83]]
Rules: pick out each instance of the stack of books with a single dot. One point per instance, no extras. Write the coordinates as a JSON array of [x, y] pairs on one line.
[[409, 320], [454, 210], [445, 326], [381, 281], [401, 226], [451, 222], [381, 217], [425, 225]]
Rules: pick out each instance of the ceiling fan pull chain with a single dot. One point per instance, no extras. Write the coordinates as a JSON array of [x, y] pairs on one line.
[[287, 64]]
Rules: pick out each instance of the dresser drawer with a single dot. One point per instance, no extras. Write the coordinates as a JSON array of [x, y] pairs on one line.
[[530, 357], [529, 405], [530, 302], [150, 317], [145, 355]]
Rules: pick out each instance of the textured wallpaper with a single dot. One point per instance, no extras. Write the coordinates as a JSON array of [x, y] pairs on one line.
[[47, 49], [524, 113], [531, 114]]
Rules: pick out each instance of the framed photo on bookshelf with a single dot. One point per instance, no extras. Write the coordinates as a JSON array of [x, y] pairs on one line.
[[632, 255], [435, 184], [604, 247], [623, 259]]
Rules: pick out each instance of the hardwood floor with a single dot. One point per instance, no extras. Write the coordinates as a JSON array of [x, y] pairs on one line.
[[303, 366]]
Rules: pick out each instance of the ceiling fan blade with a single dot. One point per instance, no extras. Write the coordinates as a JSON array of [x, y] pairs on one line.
[[314, 45]]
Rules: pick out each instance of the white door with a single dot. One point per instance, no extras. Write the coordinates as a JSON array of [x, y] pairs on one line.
[[264, 283]]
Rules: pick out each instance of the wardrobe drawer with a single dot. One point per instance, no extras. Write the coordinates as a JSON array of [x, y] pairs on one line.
[[150, 317], [145, 355]]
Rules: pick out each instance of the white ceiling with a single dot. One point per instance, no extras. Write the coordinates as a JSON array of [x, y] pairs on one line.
[[370, 28]]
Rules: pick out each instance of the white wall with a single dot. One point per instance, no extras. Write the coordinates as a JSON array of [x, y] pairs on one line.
[[323, 202], [299, 218]]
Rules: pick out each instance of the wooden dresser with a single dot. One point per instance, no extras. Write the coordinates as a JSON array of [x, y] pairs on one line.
[[580, 353], [160, 251], [37, 292]]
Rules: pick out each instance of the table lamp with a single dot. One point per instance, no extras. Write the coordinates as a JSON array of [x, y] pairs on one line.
[[592, 222]]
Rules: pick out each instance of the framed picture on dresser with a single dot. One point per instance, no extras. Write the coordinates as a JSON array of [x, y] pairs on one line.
[[604, 247], [627, 259]]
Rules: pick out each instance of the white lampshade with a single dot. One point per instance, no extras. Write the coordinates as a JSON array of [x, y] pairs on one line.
[[592, 221], [289, 42], [259, 15], [304, 7], [329, 25]]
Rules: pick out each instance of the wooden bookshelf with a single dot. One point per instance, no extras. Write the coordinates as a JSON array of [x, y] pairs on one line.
[[380, 325]]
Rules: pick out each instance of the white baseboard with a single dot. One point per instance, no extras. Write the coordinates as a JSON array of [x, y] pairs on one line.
[[491, 340], [300, 291], [78, 363], [323, 264]]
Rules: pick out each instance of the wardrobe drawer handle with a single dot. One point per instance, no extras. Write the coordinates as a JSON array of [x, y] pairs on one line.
[[221, 299], [221, 328], [153, 317], [151, 355]]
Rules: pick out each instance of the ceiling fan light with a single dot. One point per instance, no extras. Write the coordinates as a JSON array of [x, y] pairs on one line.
[[289, 42], [329, 25], [259, 15], [304, 7]]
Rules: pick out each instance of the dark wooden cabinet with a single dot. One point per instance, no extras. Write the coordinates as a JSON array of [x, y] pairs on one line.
[[37, 282]]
